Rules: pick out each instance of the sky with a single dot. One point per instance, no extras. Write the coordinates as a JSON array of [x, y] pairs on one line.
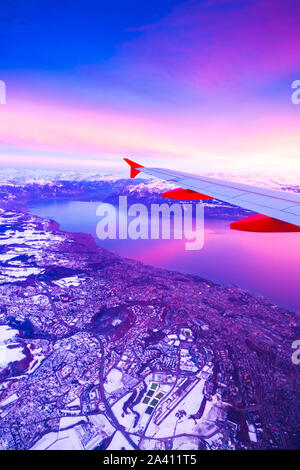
[[193, 85]]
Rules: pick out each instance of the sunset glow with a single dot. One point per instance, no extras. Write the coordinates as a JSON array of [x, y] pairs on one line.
[[207, 85]]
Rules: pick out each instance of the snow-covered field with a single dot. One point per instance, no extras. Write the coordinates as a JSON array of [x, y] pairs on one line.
[[8, 355]]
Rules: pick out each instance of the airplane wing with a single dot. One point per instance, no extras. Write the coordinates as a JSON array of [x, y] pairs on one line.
[[276, 211]]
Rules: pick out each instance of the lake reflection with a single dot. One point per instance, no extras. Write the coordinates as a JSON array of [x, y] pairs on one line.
[[265, 264]]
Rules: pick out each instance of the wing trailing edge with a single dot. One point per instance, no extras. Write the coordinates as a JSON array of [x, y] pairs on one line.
[[185, 195], [263, 223]]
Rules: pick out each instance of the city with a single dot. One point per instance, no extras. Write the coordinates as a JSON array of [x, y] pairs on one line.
[[109, 353]]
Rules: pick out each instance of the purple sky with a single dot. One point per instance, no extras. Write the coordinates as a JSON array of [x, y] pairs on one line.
[[198, 85]]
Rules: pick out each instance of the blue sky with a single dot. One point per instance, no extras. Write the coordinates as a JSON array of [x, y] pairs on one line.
[[49, 35]]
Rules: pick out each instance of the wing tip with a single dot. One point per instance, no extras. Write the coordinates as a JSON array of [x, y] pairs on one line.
[[133, 167]]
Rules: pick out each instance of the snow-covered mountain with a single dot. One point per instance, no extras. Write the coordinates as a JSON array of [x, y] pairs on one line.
[[41, 176], [20, 186], [272, 181]]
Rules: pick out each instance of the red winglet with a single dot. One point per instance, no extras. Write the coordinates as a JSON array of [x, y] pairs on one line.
[[133, 167], [185, 195], [263, 223]]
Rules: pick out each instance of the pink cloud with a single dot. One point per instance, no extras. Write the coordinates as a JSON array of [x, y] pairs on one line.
[[262, 139], [217, 44], [182, 93]]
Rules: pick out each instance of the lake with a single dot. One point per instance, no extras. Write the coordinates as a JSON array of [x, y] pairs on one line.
[[264, 264]]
